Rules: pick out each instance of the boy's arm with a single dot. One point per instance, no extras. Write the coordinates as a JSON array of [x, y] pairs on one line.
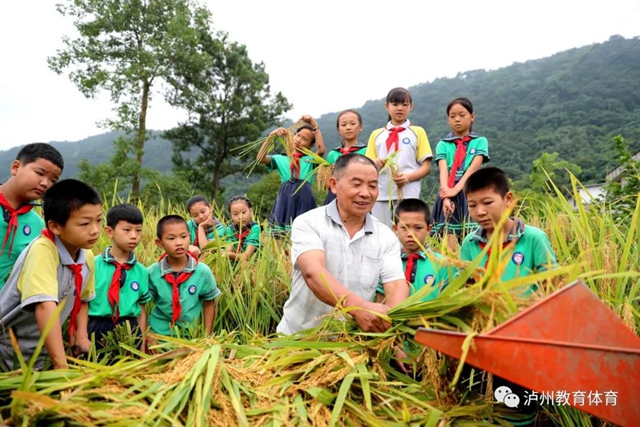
[[243, 255], [209, 310], [142, 325], [44, 312], [81, 339]]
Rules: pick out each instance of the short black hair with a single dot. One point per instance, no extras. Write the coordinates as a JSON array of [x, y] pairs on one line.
[[126, 212], [196, 199], [343, 161], [412, 205], [66, 196], [166, 220], [489, 177], [343, 112], [238, 199], [465, 102], [40, 150]]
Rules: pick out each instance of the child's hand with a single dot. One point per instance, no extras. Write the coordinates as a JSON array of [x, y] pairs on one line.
[[380, 162], [447, 193], [400, 180], [448, 207], [278, 132], [399, 356], [194, 250], [308, 119], [207, 223], [146, 346]]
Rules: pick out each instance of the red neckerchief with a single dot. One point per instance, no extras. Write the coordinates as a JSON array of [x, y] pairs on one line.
[[393, 139], [348, 150], [458, 159], [77, 278], [12, 225], [241, 236], [114, 289], [295, 165], [408, 269], [175, 282]]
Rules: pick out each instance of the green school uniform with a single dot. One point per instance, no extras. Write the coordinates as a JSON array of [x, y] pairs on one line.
[[201, 286], [336, 153], [446, 150], [282, 164], [134, 287], [30, 225], [532, 252], [425, 272], [193, 231], [231, 235]]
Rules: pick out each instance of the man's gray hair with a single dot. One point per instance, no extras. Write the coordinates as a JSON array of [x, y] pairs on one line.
[[344, 161]]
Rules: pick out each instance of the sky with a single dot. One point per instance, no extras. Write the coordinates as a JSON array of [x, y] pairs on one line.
[[324, 56]]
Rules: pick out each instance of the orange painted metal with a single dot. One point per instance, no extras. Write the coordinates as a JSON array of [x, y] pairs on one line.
[[569, 342]]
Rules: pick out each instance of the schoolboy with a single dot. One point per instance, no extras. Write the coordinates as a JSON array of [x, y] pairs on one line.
[[55, 268], [412, 224], [181, 287], [36, 168], [489, 198], [122, 283]]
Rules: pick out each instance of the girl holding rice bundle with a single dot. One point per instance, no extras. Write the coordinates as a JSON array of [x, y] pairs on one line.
[[349, 126], [405, 149], [296, 173]]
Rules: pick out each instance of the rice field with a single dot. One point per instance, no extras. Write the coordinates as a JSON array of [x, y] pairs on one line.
[[333, 375]]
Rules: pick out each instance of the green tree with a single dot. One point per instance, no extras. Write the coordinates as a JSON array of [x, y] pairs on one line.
[[127, 47], [547, 168], [263, 195], [624, 191], [230, 105]]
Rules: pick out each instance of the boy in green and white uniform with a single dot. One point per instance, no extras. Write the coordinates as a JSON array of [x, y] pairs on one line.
[[181, 287], [527, 248], [122, 283], [36, 168], [412, 224]]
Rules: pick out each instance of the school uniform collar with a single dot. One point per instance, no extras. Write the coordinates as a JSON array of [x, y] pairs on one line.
[[165, 268], [106, 255], [405, 125], [516, 232], [358, 146], [65, 256], [421, 254], [452, 136], [332, 212]]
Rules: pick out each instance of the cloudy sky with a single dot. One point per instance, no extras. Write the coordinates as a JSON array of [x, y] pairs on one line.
[[323, 55]]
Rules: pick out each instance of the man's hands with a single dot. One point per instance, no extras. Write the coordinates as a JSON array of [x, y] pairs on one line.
[[368, 317]]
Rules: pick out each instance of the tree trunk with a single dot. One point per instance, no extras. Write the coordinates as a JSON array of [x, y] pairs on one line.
[[142, 134], [216, 182]]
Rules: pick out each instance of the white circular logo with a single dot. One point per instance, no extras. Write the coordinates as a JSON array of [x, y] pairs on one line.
[[192, 289], [428, 279], [26, 230], [518, 258], [473, 151], [135, 286], [503, 394], [406, 140]]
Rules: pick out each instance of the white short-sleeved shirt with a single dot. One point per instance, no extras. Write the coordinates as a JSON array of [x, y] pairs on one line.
[[358, 263], [413, 150]]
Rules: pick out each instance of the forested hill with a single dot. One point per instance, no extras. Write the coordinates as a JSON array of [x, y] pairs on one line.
[[571, 103]]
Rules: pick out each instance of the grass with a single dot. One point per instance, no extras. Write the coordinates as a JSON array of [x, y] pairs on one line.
[[333, 374]]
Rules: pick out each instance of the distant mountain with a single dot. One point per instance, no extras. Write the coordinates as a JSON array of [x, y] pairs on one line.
[[98, 149], [572, 103]]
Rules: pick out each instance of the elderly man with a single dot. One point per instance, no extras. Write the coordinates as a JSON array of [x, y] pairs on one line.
[[341, 252]]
